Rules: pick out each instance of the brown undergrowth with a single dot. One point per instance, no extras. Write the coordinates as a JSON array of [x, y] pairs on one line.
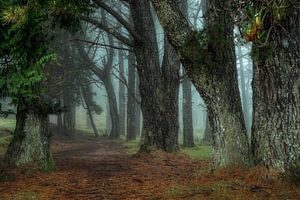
[[89, 168]]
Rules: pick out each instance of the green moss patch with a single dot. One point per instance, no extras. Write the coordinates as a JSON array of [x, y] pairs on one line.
[[200, 151]]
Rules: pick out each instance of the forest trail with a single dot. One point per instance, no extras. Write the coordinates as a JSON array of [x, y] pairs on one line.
[[99, 168]]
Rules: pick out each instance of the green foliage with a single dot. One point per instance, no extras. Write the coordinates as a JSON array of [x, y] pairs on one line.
[[199, 151], [7, 124], [24, 45], [66, 12]]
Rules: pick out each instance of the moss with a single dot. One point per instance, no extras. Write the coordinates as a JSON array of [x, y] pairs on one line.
[[49, 165], [132, 146], [199, 151], [7, 124]]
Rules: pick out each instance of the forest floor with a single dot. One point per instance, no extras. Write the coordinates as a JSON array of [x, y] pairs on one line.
[[90, 168]]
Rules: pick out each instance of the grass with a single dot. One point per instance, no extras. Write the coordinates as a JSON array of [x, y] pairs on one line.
[[4, 141], [132, 146], [7, 124], [200, 151]]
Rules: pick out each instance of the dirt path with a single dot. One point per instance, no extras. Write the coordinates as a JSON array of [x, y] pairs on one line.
[[89, 168]]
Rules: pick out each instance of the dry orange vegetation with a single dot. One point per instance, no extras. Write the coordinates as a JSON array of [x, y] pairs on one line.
[[89, 168]]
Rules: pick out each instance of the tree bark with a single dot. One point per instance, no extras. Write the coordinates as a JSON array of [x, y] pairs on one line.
[[70, 114], [113, 108], [210, 64], [30, 143], [131, 123], [157, 131], [276, 99], [170, 83], [187, 112], [59, 123], [138, 112], [122, 98], [89, 112]]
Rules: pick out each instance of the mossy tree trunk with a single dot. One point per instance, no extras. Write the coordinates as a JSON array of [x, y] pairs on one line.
[[276, 99], [209, 60], [30, 144]]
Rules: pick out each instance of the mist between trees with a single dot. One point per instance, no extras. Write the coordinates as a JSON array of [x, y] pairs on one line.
[[166, 73]]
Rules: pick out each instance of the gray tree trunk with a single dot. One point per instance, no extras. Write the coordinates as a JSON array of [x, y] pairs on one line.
[[157, 131], [108, 119], [138, 111], [122, 98], [276, 99], [90, 115], [30, 143], [131, 118], [70, 114], [187, 112], [210, 64], [113, 107]]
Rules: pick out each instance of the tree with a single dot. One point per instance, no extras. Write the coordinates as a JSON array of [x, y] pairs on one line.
[[25, 50], [209, 60], [276, 83], [187, 112], [131, 120], [122, 97], [22, 79]]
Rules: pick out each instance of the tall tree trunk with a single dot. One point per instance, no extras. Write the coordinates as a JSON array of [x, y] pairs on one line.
[[243, 91], [122, 98], [131, 123], [187, 112], [170, 90], [210, 63], [30, 143], [138, 112], [108, 119], [276, 99], [157, 131], [70, 114], [113, 107], [90, 114], [59, 123]]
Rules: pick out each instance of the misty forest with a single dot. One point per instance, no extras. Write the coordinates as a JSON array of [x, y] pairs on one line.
[[149, 99]]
